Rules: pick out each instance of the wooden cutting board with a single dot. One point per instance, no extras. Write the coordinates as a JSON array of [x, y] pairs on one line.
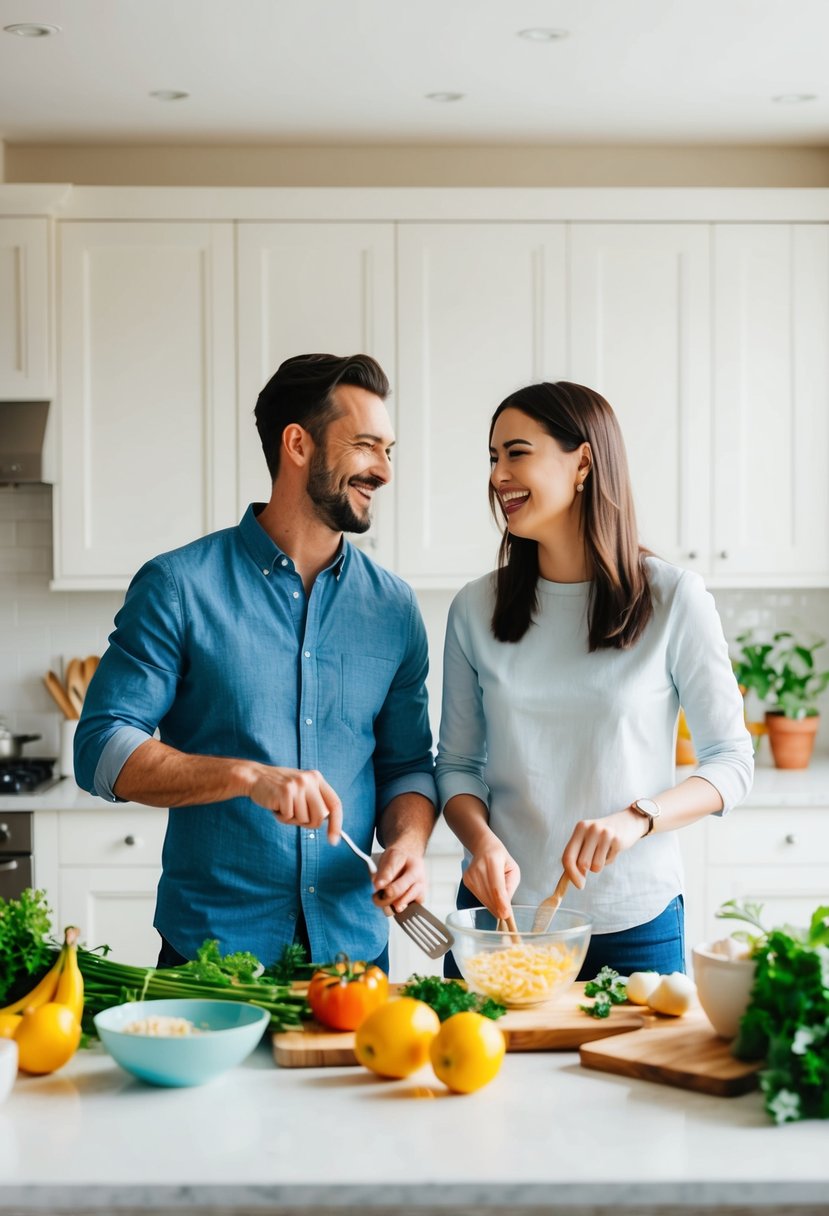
[[675, 1051], [557, 1025]]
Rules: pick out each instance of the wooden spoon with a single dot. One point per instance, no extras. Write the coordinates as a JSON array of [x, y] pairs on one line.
[[88, 668], [547, 909], [74, 685], [59, 696]]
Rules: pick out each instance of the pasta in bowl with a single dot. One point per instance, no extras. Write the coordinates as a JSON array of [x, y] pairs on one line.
[[522, 968]]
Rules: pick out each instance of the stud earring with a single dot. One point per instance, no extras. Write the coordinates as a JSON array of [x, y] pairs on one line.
[[580, 488]]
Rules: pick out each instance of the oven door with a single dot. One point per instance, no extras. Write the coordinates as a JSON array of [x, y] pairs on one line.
[[15, 853]]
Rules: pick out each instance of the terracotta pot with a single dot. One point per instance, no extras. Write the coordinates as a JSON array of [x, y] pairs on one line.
[[791, 739]]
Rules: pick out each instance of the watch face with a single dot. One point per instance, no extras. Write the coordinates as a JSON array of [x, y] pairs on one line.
[[648, 807]]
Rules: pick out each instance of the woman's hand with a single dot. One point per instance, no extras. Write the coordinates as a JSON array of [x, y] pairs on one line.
[[493, 876], [595, 843]]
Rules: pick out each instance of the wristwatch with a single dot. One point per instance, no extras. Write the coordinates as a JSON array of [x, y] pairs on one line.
[[649, 809]]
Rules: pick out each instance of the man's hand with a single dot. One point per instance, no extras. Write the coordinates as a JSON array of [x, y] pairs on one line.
[[493, 876], [301, 797], [595, 843], [400, 879]]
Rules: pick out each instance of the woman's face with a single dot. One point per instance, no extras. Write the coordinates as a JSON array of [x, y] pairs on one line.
[[534, 478]]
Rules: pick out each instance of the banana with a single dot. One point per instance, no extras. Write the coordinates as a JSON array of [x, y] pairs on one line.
[[69, 991], [42, 992]]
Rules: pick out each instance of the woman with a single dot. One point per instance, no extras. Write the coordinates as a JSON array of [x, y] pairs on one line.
[[563, 676]]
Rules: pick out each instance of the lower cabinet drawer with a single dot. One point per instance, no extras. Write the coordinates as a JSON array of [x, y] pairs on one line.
[[117, 837], [756, 836]]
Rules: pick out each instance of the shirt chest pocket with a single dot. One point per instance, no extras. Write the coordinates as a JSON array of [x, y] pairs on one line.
[[365, 683]]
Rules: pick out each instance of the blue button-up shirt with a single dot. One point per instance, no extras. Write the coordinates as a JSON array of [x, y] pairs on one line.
[[218, 646]]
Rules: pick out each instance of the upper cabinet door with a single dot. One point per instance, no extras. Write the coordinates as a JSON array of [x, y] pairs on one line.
[[307, 288], [25, 313], [481, 314], [640, 334], [771, 400], [147, 394]]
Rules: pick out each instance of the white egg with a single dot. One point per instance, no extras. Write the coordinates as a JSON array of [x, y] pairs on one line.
[[674, 994], [640, 985]]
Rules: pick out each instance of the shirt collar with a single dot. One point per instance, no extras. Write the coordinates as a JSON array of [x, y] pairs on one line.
[[265, 551]]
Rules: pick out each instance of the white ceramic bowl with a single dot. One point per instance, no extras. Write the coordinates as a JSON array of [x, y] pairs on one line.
[[723, 987], [8, 1067]]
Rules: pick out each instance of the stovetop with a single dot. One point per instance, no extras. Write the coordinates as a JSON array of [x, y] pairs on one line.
[[27, 775]]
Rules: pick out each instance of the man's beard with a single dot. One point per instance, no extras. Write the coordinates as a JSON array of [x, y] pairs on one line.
[[332, 503]]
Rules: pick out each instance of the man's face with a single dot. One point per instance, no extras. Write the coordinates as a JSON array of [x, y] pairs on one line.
[[352, 462]]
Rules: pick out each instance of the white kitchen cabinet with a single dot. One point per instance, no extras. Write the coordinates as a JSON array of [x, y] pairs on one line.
[[312, 288], [639, 333], [100, 869], [480, 314], [775, 856], [771, 388], [26, 365], [147, 450]]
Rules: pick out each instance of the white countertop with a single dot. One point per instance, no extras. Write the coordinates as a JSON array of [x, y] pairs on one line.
[[772, 787], [545, 1132]]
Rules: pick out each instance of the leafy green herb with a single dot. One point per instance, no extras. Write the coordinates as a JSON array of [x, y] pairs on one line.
[[210, 966], [608, 988], [450, 996], [787, 1020], [25, 924], [749, 913], [292, 964]]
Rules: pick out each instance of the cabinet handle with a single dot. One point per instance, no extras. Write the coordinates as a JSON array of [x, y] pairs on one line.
[[723, 554], [9, 865], [791, 838], [5, 833], [692, 554], [131, 840]]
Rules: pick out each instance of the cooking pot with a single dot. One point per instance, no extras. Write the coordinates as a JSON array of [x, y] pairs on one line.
[[11, 745]]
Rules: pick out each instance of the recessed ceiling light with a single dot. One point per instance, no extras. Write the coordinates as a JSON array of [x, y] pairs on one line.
[[168, 94], [445, 96], [793, 99], [31, 29], [540, 34]]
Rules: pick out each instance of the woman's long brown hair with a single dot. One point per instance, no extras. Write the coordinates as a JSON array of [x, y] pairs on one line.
[[620, 603]]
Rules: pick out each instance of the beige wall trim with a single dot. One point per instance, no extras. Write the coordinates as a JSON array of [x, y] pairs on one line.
[[417, 165]]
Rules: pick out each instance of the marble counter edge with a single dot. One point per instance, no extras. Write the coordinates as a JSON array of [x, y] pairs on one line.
[[599, 1197]]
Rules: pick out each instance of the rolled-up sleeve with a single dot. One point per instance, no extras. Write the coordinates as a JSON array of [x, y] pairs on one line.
[[462, 754], [403, 761], [135, 683], [708, 692]]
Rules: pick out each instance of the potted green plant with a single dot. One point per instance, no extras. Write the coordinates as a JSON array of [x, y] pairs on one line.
[[783, 674]]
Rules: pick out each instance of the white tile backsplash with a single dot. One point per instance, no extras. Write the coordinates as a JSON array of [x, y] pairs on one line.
[[42, 629]]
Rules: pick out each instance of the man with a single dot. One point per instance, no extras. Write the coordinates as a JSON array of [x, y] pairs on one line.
[[285, 672]]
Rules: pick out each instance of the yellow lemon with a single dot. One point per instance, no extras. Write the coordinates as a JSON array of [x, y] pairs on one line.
[[468, 1052], [394, 1040], [47, 1037]]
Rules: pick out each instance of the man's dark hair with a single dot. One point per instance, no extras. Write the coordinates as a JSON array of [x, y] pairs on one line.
[[302, 390]]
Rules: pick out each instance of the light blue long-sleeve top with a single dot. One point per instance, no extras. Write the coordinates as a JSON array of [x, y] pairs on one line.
[[546, 733], [218, 646]]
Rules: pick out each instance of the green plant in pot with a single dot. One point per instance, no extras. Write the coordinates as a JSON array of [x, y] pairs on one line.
[[783, 674]]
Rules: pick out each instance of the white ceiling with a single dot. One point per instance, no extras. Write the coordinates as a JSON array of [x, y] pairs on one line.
[[315, 71]]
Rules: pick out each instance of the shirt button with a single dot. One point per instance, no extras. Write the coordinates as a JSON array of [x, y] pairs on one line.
[[307, 654], [311, 890], [284, 561], [309, 721], [311, 835], [296, 595], [265, 570]]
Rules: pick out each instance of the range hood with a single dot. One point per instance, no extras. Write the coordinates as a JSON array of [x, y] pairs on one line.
[[22, 429]]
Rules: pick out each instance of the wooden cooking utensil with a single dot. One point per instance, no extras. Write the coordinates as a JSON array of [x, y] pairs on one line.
[[59, 696], [547, 909], [88, 668], [74, 684]]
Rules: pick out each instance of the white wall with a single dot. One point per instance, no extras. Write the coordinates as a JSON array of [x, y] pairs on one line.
[[41, 629]]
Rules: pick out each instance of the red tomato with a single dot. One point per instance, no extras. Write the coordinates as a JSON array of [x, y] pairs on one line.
[[343, 995]]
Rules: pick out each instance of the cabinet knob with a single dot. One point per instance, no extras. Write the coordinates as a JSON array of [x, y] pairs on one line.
[[131, 840], [5, 833], [791, 838], [723, 554], [692, 554]]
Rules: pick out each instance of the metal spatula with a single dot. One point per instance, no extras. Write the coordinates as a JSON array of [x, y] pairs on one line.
[[422, 926], [548, 907]]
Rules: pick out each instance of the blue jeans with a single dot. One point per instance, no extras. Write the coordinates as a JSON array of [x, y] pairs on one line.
[[658, 945]]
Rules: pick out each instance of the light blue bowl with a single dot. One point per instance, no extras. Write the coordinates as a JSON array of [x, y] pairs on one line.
[[230, 1032]]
